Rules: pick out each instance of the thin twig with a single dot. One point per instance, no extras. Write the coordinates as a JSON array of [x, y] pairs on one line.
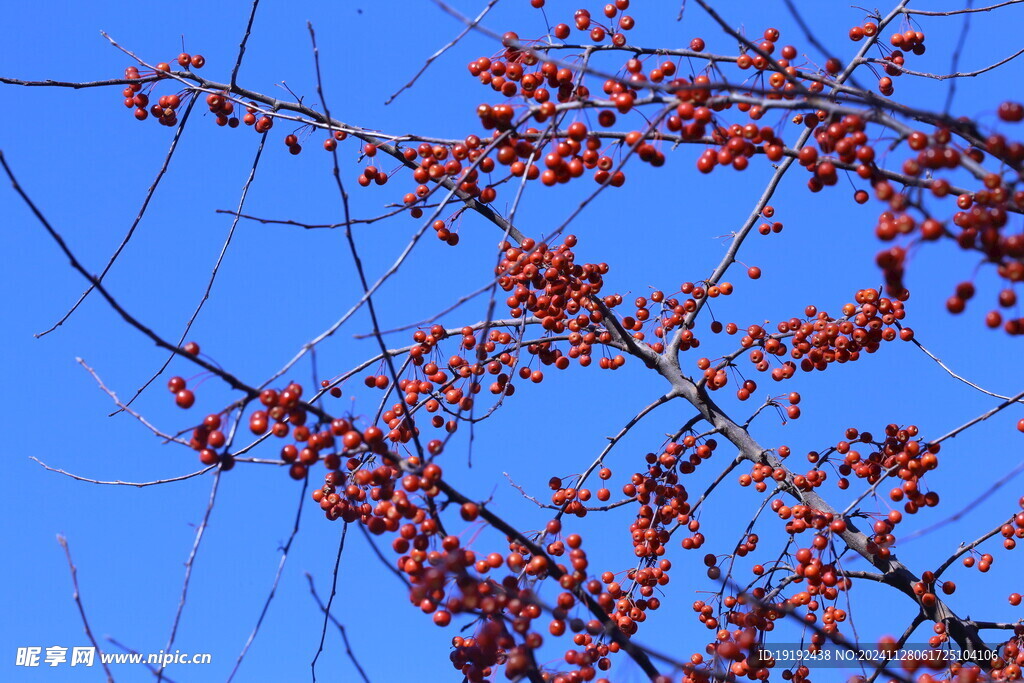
[[230, 379], [188, 567], [958, 52], [318, 226], [125, 408], [216, 268], [718, 480], [612, 440], [137, 484], [135, 223], [81, 609], [917, 621], [448, 46], [330, 600], [944, 77], [277, 578], [984, 416], [969, 507], [349, 237], [380, 556], [241, 46], [341, 629], [914, 340]]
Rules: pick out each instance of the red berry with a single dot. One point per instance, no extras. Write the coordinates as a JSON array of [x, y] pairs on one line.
[[185, 398], [352, 440]]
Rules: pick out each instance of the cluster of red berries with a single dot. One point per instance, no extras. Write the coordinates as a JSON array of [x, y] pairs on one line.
[[507, 74], [558, 156], [347, 494], [739, 649], [223, 108], [476, 657], [978, 225], [220, 104], [662, 500], [573, 500], [1010, 531], [447, 579], [1010, 665], [284, 414], [461, 163], [599, 32], [866, 324], [868, 29], [453, 381], [166, 107], [626, 610], [817, 341], [908, 41], [445, 234], [184, 398], [842, 138], [822, 579], [207, 438], [738, 144], [548, 284]]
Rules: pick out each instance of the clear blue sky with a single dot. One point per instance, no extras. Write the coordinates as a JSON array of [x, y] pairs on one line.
[[87, 163]]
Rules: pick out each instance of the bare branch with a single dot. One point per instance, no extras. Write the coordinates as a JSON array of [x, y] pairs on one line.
[[944, 77], [981, 418], [216, 267], [137, 484], [914, 340], [128, 410], [341, 629], [135, 223], [245, 39], [81, 608], [330, 600], [230, 379], [449, 45], [277, 578], [189, 563]]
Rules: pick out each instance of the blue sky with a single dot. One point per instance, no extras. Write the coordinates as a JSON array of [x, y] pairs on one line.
[[88, 163]]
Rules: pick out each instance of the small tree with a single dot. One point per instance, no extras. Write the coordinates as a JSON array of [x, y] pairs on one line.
[[587, 102]]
